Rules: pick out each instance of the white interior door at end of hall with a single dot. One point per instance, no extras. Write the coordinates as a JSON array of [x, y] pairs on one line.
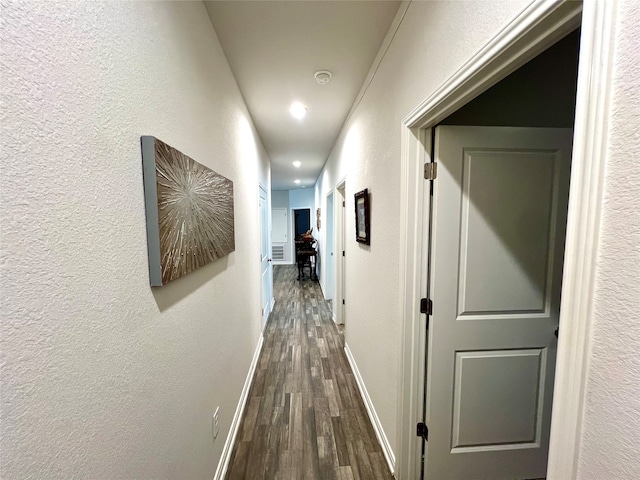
[[279, 225], [499, 220], [265, 260]]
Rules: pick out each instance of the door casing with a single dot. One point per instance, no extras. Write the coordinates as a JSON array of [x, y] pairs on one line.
[[539, 26], [340, 246], [329, 270]]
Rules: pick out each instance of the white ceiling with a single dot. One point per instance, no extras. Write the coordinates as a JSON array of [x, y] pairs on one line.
[[275, 47]]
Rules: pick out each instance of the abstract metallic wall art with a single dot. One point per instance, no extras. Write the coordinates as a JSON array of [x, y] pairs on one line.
[[189, 212]]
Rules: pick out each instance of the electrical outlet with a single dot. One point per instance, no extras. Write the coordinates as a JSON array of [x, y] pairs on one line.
[[215, 426]]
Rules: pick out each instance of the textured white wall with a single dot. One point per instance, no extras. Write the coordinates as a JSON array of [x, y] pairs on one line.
[[103, 377], [302, 198], [280, 198], [611, 430], [433, 41]]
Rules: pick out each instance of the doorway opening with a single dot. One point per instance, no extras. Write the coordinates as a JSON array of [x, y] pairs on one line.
[[502, 195], [301, 222], [534, 30]]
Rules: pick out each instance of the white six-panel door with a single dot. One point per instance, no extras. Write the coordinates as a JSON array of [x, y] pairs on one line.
[[499, 216], [266, 271]]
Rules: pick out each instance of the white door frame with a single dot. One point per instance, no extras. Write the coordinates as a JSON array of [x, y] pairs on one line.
[[539, 26], [340, 246]]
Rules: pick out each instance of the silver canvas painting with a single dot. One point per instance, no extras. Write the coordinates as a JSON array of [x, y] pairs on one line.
[[189, 212]]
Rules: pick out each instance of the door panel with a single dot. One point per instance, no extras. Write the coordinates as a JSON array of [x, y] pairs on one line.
[[496, 398], [504, 244], [499, 216]]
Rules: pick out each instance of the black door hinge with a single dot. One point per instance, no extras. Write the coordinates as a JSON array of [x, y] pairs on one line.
[[343, 301], [343, 204], [343, 253], [426, 306], [422, 431]]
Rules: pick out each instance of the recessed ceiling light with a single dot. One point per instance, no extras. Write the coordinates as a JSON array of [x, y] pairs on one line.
[[298, 110], [297, 163], [296, 182]]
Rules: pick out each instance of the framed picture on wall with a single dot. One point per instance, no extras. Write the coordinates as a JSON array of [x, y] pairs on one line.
[[362, 217]]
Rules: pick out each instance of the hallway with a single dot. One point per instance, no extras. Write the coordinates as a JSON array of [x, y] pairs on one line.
[[304, 417]]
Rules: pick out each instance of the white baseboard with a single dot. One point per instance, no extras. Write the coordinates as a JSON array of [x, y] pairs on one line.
[[223, 464], [373, 416]]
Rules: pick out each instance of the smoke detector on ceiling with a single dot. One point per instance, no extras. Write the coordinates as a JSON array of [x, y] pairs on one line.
[[322, 76]]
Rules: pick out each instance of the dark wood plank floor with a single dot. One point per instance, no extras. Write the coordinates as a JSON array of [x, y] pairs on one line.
[[304, 417]]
